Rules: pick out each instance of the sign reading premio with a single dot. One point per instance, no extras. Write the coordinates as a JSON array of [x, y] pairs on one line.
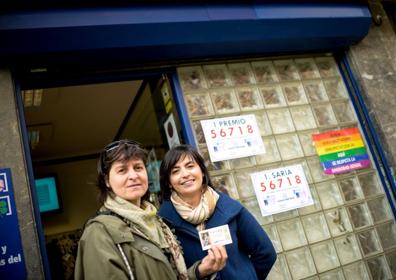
[[232, 137], [341, 150]]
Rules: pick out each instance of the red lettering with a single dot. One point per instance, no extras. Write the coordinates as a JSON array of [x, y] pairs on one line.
[[263, 187], [213, 133]]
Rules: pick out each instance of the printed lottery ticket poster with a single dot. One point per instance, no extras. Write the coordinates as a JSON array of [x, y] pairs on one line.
[[232, 137], [281, 189], [215, 236]]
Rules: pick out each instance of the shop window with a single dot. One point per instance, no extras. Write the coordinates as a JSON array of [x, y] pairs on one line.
[[347, 232]]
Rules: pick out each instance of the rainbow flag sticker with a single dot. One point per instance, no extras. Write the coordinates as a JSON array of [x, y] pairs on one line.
[[341, 150]]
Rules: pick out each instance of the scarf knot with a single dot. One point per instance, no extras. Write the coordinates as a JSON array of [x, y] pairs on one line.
[[198, 215]]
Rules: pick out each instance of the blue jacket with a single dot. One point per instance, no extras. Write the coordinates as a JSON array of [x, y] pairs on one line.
[[251, 254]]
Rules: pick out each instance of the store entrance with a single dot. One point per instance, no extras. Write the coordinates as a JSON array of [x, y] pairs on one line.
[[68, 126]]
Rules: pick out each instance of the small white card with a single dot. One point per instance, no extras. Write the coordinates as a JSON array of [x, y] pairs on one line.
[[215, 236]]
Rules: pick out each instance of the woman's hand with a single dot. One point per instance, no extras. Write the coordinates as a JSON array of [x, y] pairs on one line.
[[213, 262]]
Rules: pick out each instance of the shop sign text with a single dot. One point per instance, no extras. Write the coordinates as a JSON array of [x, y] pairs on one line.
[[232, 137], [341, 150], [12, 265], [281, 189]]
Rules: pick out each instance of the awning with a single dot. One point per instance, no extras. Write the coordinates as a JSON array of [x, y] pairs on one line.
[[154, 34]]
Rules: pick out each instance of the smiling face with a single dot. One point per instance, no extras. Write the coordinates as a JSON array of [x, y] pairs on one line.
[[129, 180], [186, 179]]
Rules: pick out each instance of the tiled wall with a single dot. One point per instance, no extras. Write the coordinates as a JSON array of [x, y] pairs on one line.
[[349, 232]]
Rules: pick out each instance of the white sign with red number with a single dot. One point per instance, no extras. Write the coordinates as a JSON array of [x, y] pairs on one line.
[[281, 189], [232, 137]]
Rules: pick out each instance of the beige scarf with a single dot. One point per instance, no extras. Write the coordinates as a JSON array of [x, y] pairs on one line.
[[145, 220], [198, 215]]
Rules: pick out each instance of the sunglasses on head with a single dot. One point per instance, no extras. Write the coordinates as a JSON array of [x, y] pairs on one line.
[[116, 144]]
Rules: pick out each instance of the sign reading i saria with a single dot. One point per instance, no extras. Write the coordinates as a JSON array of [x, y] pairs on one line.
[[232, 137], [281, 189]]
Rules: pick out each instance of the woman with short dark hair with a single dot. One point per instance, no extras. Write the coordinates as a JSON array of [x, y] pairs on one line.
[[191, 203]]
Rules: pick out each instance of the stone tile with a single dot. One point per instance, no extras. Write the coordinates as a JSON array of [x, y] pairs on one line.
[[374, 64], [390, 135]]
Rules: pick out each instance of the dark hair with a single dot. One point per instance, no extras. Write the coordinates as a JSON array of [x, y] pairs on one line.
[[170, 160], [123, 150]]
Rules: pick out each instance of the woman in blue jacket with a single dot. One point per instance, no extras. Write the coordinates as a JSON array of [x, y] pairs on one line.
[[190, 204]]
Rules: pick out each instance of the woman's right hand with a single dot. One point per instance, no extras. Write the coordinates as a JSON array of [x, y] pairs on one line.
[[213, 262]]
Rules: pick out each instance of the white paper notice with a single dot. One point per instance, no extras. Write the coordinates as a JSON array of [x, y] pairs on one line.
[[171, 132], [232, 137], [215, 236], [281, 189]]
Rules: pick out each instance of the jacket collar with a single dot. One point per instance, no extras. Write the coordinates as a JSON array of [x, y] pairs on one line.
[[116, 228]]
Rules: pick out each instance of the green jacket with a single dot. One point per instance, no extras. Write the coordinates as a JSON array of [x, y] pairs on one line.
[[99, 258]]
